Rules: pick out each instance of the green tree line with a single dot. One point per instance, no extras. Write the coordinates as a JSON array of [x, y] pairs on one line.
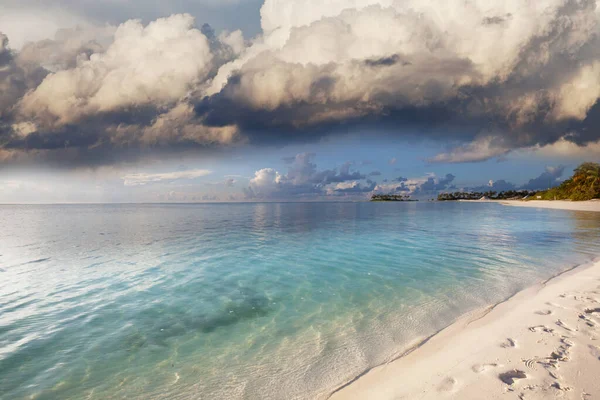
[[583, 185]]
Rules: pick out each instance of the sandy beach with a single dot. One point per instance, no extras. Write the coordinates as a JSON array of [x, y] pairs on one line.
[[593, 205], [542, 343]]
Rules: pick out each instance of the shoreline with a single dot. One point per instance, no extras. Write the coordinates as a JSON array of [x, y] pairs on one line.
[[536, 344], [590, 205]]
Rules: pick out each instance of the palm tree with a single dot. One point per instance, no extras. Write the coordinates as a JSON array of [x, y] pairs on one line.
[[587, 178]]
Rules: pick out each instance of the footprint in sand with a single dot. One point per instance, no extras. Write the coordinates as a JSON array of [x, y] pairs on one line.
[[541, 328], [479, 368], [564, 326], [587, 321], [544, 312], [591, 300], [530, 363], [447, 384], [511, 377], [557, 385], [595, 350], [508, 343]]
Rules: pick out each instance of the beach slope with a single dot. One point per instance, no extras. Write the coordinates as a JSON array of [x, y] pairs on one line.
[[592, 205], [542, 343]]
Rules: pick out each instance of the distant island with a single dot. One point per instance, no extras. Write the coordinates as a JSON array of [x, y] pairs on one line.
[[391, 197], [583, 185], [490, 195]]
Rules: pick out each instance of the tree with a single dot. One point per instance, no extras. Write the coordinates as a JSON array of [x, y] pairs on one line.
[[583, 185]]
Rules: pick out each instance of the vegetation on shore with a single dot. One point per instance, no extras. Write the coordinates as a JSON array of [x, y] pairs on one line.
[[491, 195], [390, 197], [583, 185]]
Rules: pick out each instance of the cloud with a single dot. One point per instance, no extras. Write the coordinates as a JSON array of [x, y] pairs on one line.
[[353, 187], [27, 20], [487, 79], [141, 179], [418, 187], [96, 95], [500, 185], [433, 185], [228, 182], [549, 178], [566, 149], [157, 65], [509, 88], [546, 180], [28, 23], [304, 179], [481, 149]]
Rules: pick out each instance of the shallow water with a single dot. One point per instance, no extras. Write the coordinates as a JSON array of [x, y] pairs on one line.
[[252, 301]]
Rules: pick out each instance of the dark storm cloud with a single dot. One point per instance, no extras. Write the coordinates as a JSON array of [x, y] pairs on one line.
[[189, 87]]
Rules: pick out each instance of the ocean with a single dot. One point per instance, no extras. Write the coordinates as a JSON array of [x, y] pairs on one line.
[[252, 301]]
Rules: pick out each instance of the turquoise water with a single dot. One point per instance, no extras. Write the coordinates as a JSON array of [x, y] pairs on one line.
[[252, 301]]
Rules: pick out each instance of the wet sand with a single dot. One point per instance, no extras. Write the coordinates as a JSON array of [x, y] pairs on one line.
[[542, 343]]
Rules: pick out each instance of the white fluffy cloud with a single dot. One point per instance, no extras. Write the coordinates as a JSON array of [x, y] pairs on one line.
[[265, 182], [156, 65], [304, 179], [439, 46], [482, 148]]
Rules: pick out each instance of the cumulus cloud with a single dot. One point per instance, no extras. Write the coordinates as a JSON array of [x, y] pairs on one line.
[[304, 179], [353, 187], [481, 149], [105, 91], [494, 77], [500, 185], [549, 178], [488, 78], [419, 187], [157, 64], [567, 149], [141, 179]]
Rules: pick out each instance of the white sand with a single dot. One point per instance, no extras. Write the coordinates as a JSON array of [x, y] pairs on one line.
[[593, 205], [543, 343]]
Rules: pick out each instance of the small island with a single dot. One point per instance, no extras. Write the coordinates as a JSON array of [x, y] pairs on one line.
[[490, 195], [391, 197]]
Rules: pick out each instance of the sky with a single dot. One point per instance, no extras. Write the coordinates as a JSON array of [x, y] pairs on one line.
[[293, 100]]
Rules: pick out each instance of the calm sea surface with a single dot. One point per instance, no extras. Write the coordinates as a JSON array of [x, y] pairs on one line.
[[252, 301]]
